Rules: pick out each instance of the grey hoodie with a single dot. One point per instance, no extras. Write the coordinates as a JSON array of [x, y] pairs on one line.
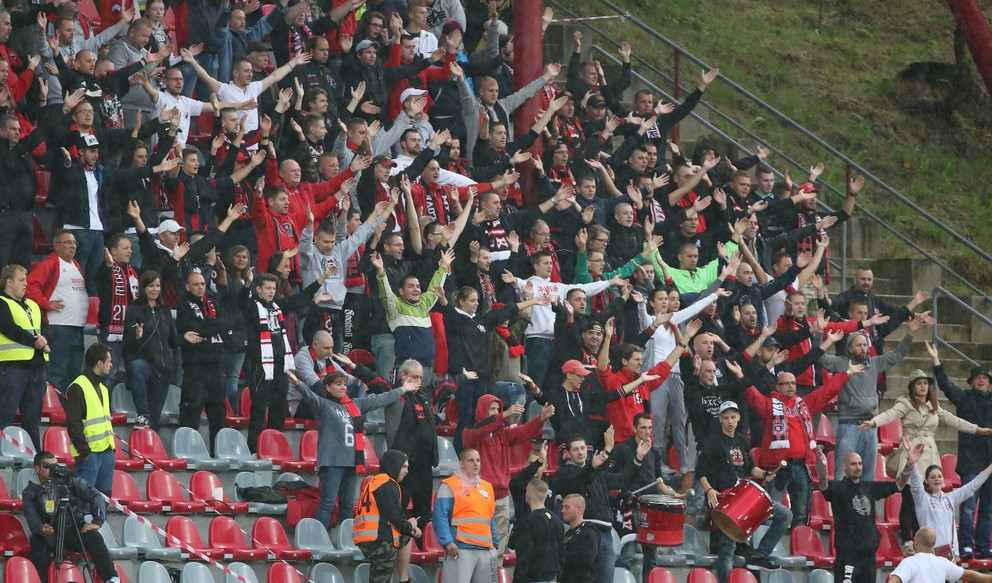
[[858, 398], [314, 262]]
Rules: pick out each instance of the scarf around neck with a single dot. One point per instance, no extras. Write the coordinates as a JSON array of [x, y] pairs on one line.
[[124, 290], [265, 339], [780, 423]]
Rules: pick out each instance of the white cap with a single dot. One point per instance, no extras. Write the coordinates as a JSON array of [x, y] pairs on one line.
[[725, 406], [411, 92], [169, 226]]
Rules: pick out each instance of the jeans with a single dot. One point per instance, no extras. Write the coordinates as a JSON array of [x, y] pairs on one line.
[[724, 555], [781, 520], [149, 389], [795, 479], [98, 470], [606, 558], [969, 534], [116, 359], [67, 355], [24, 388], [232, 372], [89, 255], [337, 483], [668, 406], [863, 443], [539, 353], [510, 393], [383, 348]]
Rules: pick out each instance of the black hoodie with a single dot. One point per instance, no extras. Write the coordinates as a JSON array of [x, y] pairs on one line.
[[387, 497]]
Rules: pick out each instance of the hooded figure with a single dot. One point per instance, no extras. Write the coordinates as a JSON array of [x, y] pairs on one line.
[[380, 527]]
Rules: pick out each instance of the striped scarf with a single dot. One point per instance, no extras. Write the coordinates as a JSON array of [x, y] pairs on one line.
[[265, 338], [780, 424], [124, 290]]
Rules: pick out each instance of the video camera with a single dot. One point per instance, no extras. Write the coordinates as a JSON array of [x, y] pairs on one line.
[[59, 473]]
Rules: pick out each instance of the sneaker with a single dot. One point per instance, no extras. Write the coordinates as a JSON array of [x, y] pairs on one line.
[[967, 551], [908, 549], [140, 422], [762, 563]]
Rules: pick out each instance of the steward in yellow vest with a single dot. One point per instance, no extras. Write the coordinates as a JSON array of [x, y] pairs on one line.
[[23, 354], [381, 529], [87, 412]]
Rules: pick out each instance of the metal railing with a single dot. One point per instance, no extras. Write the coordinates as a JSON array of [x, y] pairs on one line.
[[935, 295], [851, 165]]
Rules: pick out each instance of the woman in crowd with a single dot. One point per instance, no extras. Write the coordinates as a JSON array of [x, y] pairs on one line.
[[237, 269]]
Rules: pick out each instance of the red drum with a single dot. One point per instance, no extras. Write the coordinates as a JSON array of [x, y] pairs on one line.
[[659, 520], [741, 510]]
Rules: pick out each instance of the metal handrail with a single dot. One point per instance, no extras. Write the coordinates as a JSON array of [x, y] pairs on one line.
[[935, 312], [867, 213], [811, 136]]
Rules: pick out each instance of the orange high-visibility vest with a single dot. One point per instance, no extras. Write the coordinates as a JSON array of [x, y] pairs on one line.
[[366, 525], [473, 512]]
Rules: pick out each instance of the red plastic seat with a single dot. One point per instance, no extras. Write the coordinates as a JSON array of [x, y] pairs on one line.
[[428, 554], [949, 463], [889, 437], [830, 465], [551, 466], [232, 420], [371, 458], [43, 179], [821, 514], [805, 542], [273, 445], [164, 487], [700, 575], [269, 534], [182, 528], [825, 434], [56, 440], [52, 411], [126, 492], [206, 487], [13, 541], [123, 460], [756, 455], [93, 315], [204, 131], [66, 573], [362, 357], [40, 244], [742, 576], [889, 549], [21, 570], [447, 427], [121, 574], [283, 573], [880, 475], [226, 534], [503, 576], [892, 506], [7, 502], [146, 444], [661, 575], [308, 446]]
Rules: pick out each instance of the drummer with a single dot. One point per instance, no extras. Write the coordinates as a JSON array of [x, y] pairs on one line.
[[724, 459]]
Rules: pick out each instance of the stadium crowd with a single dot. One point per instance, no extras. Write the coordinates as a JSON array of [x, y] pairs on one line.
[[364, 190]]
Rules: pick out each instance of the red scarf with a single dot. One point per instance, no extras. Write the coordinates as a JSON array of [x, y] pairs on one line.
[[353, 276], [512, 343], [321, 372], [124, 290], [358, 425]]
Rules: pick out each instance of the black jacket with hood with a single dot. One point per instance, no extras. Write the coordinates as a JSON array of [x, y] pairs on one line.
[[387, 497]]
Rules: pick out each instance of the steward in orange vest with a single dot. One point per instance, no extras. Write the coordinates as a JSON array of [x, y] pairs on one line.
[[381, 529]]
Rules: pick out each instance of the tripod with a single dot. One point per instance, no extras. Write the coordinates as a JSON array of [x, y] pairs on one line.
[[63, 515]]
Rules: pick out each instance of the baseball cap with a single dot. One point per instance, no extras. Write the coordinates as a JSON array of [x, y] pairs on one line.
[[574, 366], [169, 226], [728, 405], [596, 101], [591, 325], [411, 92], [88, 141], [384, 161], [366, 43], [770, 342]]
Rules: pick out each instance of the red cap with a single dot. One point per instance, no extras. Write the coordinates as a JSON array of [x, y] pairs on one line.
[[574, 366]]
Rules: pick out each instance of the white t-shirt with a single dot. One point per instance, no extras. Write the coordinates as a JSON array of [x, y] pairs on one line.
[[927, 568], [775, 304], [187, 108], [425, 43], [71, 288], [231, 93]]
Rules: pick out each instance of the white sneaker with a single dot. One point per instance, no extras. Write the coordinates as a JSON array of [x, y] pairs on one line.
[[140, 422]]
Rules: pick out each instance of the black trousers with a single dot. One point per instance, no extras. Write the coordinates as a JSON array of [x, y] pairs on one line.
[[855, 567], [267, 396], [419, 487], [16, 238], [42, 548], [203, 388], [907, 517]]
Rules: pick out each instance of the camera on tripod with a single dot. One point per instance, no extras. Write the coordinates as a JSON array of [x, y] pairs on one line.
[[59, 473]]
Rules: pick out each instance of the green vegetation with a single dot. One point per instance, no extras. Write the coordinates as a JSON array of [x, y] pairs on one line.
[[875, 80]]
